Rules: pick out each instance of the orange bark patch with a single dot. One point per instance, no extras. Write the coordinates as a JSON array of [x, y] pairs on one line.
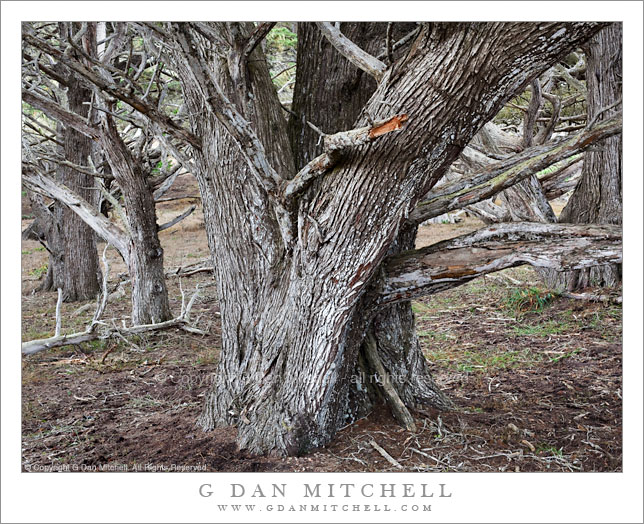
[[455, 272], [393, 124]]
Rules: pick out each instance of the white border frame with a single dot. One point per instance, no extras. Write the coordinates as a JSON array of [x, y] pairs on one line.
[[477, 497]]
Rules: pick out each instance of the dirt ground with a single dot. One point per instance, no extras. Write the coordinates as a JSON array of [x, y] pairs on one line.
[[537, 388]]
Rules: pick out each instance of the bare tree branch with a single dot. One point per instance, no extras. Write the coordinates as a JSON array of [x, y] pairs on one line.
[[505, 174], [57, 112], [400, 42], [530, 117], [334, 146], [361, 59], [115, 91], [92, 217], [177, 219], [259, 33], [454, 262], [546, 133]]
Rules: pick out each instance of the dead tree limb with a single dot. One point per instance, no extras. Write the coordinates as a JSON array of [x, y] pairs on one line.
[[398, 408], [505, 174], [112, 89], [334, 146], [177, 219], [181, 322], [455, 262], [91, 216], [59, 113], [361, 59]]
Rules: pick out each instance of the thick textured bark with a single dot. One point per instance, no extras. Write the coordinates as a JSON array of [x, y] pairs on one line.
[[73, 261], [330, 91], [294, 313], [81, 274], [598, 196], [322, 77]]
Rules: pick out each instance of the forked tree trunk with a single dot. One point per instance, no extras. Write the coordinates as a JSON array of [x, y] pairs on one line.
[[296, 303], [331, 92], [597, 198]]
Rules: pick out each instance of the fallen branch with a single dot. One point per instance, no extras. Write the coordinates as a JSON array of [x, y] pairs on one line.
[[191, 269], [386, 455], [181, 322], [592, 297], [398, 408]]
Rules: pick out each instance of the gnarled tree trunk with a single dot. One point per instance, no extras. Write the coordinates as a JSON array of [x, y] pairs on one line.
[[142, 249], [300, 276]]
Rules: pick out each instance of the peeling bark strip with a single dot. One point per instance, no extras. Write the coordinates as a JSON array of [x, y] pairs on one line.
[[507, 173], [454, 262], [357, 137]]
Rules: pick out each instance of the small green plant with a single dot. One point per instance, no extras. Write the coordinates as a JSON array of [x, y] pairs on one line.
[[39, 271], [552, 450], [530, 300]]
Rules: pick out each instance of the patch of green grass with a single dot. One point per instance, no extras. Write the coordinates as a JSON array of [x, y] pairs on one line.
[[530, 300], [552, 327], [484, 360]]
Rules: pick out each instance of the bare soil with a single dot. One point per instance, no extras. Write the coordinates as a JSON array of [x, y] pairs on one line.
[[536, 389]]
